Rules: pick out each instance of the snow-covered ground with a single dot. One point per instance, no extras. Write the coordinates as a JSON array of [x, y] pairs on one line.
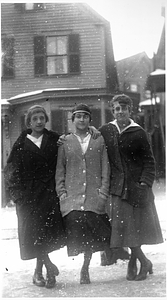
[[9, 232]]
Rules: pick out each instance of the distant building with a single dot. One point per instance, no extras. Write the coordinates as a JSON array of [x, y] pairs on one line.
[[133, 72], [143, 79], [153, 109]]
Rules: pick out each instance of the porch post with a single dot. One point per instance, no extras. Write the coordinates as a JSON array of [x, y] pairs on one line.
[[103, 119]]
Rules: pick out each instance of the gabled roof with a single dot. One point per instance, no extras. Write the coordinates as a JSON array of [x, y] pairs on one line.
[[127, 66], [134, 58], [96, 17]]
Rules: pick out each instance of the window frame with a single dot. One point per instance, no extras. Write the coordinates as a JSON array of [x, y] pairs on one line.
[[49, 55], [40, 55]]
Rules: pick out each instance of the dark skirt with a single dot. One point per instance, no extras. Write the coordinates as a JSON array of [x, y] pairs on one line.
[[40, 223], [132, 227], [86, 231]]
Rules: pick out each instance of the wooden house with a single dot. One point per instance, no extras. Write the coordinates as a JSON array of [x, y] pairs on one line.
[[56, 55]]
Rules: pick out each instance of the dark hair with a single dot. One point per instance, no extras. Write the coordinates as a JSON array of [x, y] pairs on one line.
[[32, 110], [81, 108], [122, 99]]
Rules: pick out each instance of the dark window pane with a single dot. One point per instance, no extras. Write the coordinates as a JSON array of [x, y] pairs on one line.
[[96, 117], [109, 116], [57, 121]]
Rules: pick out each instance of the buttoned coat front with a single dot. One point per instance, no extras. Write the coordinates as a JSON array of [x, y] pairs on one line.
[[30, 177], [131, 160], [85, 177]]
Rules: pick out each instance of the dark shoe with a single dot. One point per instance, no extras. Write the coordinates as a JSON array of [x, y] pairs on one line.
[[145, 268], [50, 281], [38, 279], [84, 276], [132, 272]]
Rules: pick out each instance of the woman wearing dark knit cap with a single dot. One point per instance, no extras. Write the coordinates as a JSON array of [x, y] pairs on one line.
[[82, 184], [134, 218], [30, 177]]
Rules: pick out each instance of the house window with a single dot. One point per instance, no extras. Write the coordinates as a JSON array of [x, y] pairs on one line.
[[32, 6], [29, 6], [56, 55], [56, 52], [8, 57], [133, 88]]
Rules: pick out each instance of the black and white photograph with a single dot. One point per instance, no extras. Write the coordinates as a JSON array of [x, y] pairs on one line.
[[83, 149]]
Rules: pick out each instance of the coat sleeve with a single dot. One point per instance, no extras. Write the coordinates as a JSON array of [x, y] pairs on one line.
[[148, 172], [61, 171], [12, 174], [104, 190]]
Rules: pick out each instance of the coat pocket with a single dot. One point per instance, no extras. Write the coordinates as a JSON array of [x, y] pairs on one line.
[[139, 195], [101, 203]]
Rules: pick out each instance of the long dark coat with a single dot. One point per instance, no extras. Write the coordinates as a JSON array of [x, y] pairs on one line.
[[131, 159], [30, 177]]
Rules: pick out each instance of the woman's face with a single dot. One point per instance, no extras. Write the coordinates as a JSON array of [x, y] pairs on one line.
[[37, 123], [121, 112], [81, 121]]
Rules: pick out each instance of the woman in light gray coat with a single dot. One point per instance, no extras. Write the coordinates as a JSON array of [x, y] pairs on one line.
[[82, 184]]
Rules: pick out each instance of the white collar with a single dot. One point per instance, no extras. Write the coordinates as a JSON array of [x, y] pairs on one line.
[[83, 140], [132, 124], [36, 141]]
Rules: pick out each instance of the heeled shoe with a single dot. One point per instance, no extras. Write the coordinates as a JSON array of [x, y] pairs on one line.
[[84, 276], [38, 279], [50, 281], [145, 268], [132, 272]]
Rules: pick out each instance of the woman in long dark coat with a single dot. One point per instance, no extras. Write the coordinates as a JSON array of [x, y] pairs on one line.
[[30, 176], [132, 169]]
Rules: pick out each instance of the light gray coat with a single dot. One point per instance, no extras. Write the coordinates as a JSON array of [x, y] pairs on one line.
[[85, 178]]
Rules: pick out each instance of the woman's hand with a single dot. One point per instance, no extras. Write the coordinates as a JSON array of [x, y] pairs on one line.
[[61, 140], [101, 204], [63, 196], [94, 132]]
